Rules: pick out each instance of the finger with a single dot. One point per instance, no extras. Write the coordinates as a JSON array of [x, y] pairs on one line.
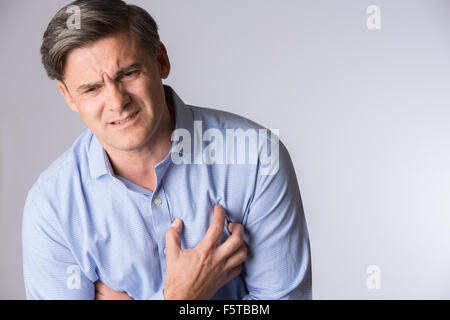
[[234, 241], [103, 292], [99, 296], [101, 287], [114, 295], [173, 242], [233, 273], [229, 227], [236, 228], [121, 296], [237, 258], [215, 230]]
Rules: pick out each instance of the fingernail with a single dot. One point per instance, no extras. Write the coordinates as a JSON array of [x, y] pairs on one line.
[[176, 223]]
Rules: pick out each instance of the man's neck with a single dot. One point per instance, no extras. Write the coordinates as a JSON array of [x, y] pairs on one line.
[[143, 160]]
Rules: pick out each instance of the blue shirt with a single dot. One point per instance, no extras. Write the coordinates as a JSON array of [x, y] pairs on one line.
[[82, 223]]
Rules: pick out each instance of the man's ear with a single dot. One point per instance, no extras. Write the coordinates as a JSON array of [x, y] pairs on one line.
[[163, 61], [66, 94]]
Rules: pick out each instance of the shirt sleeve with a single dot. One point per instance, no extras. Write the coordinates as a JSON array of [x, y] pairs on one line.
[[159, 295], [278, 265], [50, 270]]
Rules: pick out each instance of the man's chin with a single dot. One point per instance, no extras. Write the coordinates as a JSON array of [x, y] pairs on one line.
[[129, 140], [126, 144]]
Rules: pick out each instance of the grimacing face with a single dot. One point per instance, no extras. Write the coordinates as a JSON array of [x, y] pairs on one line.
[[116, 87]]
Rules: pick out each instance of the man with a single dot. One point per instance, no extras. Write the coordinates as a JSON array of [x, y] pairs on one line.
[[129, 213]]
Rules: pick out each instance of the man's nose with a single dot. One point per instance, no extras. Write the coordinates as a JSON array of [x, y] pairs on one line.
[[116, 98]]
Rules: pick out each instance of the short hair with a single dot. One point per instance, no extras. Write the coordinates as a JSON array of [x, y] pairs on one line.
[[98, 19]]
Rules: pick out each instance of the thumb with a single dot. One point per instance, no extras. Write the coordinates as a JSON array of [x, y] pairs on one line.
[[173, 242]]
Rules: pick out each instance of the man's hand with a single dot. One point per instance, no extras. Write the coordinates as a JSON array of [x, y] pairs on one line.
[[103, 292], [198, 273]]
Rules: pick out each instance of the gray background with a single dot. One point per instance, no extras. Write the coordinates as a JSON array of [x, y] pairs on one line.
[[364, 114]]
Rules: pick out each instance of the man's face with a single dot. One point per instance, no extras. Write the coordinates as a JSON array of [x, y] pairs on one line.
[[116, 87]]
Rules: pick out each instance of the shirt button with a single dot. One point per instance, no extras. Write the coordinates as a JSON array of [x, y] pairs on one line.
[[164, 251], [157, 201]]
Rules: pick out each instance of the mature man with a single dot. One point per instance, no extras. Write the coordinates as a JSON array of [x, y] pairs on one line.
[[128, 213]]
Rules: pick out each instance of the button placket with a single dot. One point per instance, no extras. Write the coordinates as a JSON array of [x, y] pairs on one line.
[[157, 201], [161, 221]]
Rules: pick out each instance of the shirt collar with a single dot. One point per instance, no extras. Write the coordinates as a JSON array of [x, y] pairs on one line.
[[99, 163]]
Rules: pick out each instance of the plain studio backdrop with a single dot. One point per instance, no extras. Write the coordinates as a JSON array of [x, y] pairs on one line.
[[364, 113]]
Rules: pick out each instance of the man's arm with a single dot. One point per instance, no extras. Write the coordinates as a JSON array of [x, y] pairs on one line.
[[50, 270], [279, 261]]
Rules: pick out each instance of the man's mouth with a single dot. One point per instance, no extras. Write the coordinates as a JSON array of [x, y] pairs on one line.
[[131, 116]]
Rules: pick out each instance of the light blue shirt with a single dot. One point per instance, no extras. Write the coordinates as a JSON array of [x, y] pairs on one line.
[[82, 223]]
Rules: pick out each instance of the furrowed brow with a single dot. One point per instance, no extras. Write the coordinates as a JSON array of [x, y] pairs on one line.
[[89, 86], [118, 75]]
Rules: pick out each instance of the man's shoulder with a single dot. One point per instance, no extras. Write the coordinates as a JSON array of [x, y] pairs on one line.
[[70, 164], [220, 119], [257, 146], [233, 125]]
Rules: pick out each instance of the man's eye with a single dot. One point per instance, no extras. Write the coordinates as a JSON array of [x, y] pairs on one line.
[[130, 73], [90, 90]]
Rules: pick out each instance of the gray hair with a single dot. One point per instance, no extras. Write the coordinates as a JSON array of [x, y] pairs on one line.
[[98, 19]]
